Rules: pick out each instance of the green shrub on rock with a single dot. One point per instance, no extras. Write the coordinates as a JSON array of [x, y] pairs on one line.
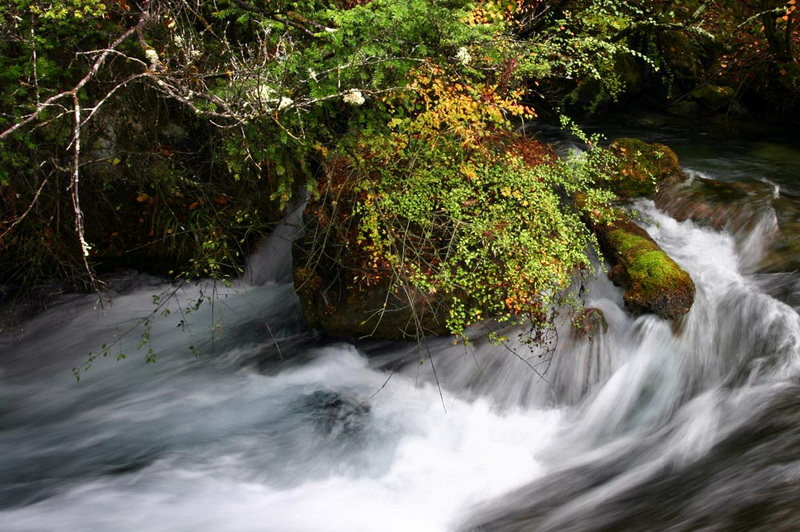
[[640, 168]]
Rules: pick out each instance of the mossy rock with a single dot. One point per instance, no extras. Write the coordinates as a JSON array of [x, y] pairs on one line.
[[349, 309], [683, 55], [653, 282], [342, 293], [712, 97], [642, 168]]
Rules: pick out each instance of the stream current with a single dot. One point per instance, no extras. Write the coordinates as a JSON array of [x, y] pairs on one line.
[[644, 426]]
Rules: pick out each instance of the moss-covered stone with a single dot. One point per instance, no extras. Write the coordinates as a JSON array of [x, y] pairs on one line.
[[653, 282], [349, 308], [642, 168], [712, 97], [342, 291]]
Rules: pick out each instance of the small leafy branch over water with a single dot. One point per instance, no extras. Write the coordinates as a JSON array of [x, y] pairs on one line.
[[172, 300]]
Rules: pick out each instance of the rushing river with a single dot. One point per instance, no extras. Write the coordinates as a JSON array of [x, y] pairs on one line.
[[249, 421]]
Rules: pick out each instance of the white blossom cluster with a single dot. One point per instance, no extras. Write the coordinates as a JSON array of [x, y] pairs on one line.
[[265, 93], [353, 97], [268, 97], [284, 103], [463, 56], [152, 56]]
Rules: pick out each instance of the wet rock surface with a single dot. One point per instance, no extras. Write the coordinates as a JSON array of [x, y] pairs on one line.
[[743, 209], [642, 168], [653, 282]]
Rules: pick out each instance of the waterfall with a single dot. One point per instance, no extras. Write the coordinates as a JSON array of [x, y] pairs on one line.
[[272, 261]]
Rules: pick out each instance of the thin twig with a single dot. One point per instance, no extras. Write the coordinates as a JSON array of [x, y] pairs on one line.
[[72, 92], [524, 361], [391, 374], [28, 210], [436, 378]]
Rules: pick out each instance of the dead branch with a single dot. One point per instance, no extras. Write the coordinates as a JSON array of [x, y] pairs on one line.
[[72, 93]]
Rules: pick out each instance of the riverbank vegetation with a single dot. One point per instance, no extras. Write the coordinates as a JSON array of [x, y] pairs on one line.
[[169, 136]]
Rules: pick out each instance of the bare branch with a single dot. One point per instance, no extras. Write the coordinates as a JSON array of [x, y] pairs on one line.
[[22, 216], [72, 92], [75, 192], [93, 110], [525, 361]]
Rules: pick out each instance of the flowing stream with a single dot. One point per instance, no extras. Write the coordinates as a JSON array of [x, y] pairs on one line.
[[249, 421]]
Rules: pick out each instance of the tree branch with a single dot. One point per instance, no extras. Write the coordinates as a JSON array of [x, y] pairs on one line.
[[72, 92], [75, 192], [22, 216]]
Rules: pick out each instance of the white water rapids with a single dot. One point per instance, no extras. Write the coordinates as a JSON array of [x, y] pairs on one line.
[[645, 427]]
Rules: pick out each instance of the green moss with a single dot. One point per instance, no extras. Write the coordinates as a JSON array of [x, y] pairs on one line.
[[712, 96], [654, 270], [649, 269], [641, 168], [629, 244]]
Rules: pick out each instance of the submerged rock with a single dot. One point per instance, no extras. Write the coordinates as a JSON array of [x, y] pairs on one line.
[[590, 322], [336, 414]]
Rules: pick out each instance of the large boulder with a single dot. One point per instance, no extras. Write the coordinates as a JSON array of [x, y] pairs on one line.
[[366, 267]]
